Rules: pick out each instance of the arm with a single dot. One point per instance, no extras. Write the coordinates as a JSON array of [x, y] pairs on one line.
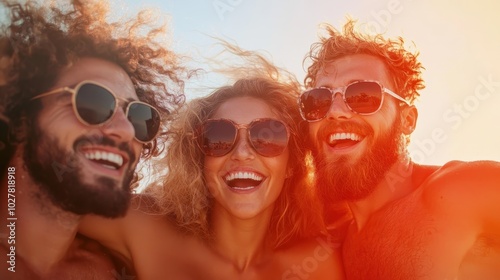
[[116, 234], [153, 245], [109, 232], [143, 240]]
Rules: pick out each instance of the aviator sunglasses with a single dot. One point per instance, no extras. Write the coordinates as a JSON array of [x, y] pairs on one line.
[[268, 137], [94, 105], [361, 97]]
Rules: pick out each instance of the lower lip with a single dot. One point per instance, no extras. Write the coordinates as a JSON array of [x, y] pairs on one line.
[[343, 150], [245, 190]]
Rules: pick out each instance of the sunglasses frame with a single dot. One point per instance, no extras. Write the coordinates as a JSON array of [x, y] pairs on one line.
[[74, 91], [342, 91], [236, 136]]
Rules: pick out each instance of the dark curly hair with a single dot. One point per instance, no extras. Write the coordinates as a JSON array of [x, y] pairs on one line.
[[403, 66], [40, 38]]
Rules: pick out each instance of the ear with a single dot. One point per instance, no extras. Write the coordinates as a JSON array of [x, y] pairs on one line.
[[409, 116], [289, 172]]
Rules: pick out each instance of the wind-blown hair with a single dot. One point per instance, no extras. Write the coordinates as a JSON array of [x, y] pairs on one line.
[[41, 38], [402, 65], [184, 195]]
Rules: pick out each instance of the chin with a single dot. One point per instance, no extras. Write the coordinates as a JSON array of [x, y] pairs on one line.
[[245, 211]]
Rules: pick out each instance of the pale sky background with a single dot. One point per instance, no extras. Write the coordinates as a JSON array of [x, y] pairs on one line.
[[458, 41]]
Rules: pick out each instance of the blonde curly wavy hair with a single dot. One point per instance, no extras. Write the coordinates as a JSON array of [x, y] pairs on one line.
[[183, 194]]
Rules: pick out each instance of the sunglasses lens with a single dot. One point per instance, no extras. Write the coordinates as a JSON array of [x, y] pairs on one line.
[[145, 119], [94, 104], [364, 97], [314, 104], [217, 137], [269, 137]]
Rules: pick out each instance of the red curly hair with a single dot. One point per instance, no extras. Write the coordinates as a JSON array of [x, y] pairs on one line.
[[402, 65]]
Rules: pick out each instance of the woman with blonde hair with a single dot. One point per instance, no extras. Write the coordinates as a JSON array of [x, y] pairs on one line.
[[237, 183]]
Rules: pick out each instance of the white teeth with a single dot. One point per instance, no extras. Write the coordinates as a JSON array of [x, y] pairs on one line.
[[344, 136], [116, 159], [243, 175]]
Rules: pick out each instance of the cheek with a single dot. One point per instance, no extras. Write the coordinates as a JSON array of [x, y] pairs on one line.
[[60, 122], [382, 123], [211, 168], [279, 166]]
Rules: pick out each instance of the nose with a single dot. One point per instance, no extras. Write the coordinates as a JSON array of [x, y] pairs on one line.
[[338, 109], [119, 127], [243, 149]]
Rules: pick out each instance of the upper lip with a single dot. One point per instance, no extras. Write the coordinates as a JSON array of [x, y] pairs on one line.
[[109, 154]]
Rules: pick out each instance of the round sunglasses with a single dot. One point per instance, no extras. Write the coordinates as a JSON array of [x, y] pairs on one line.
[[268, 137], [94, 105], [361, 97]]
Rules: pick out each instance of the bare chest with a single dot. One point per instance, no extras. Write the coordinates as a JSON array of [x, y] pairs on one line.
[[82, 261], [410, 242]]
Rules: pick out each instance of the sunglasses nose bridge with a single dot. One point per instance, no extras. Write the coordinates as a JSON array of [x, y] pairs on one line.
[[339, 108], [243, 149], [119, 127]]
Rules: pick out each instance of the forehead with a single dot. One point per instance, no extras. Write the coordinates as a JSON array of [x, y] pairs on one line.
[[244, 110], [351, 68], [98, 70]]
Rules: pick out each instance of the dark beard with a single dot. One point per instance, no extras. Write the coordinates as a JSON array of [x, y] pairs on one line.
[[342, 180], [58, 174]]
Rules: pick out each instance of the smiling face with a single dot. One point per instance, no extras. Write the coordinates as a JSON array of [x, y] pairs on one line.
[[243, 183], [352, 151], [84, 169]]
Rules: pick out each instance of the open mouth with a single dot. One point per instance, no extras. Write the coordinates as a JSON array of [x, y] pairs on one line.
[[343, 140], [243, 180], [108, 160]]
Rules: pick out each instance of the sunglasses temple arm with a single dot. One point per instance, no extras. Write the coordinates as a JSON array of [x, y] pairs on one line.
[[393, 94], [53, 92]]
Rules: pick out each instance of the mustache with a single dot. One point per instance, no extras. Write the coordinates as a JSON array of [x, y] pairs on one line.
[[105, 141], [335, 125]]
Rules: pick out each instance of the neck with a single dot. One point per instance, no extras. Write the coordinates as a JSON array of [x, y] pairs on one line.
[[396, 183], [240, 241], [43, 232]]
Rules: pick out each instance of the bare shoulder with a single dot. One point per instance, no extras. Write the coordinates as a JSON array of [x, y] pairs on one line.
[[316, 258], [464, 189], [458, 177], [482, 170]]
